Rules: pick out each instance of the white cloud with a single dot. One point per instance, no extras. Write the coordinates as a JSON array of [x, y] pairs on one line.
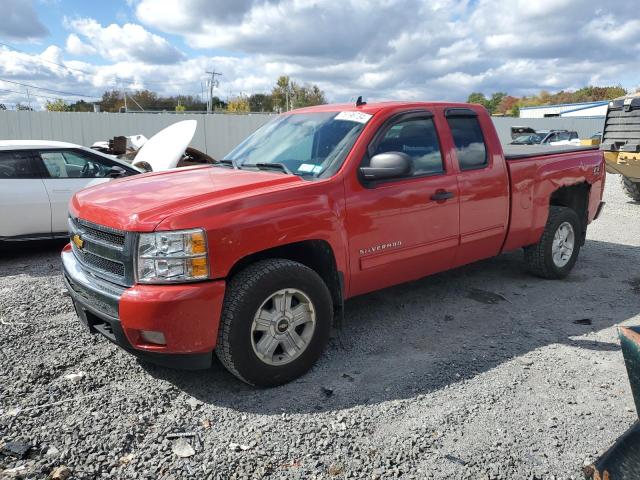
[[124, 43], [77, 47]]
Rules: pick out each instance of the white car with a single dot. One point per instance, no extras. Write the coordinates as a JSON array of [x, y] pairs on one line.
[[37, 180]]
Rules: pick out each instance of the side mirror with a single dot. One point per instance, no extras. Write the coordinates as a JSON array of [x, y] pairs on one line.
[[387, 165], [116, 172]]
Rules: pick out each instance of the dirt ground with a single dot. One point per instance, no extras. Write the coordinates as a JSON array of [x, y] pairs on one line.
[[484, 372]]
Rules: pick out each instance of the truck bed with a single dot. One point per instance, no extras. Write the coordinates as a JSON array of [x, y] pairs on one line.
[[519, 152], [535, 172]]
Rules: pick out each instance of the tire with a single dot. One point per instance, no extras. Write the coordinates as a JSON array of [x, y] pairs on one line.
[[631, 188], [259, 288], [539, 258]]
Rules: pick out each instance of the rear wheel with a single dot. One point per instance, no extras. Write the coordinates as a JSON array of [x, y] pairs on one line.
[[557, 251], [275, 322], [631, 188]]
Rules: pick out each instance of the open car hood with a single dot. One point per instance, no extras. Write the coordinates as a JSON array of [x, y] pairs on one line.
[[165, 149]]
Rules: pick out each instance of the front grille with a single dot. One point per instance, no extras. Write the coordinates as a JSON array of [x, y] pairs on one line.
[[622, 130], [100, 263], [104, 251], [107, 235]]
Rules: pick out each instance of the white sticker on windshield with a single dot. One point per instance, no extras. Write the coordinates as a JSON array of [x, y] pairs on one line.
[[359, 117], [306, 167]]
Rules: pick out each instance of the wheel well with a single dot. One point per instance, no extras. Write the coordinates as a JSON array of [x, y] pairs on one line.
[[575, 197], [315, 254]]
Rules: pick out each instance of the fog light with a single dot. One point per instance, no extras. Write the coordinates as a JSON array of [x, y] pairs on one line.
[[150, 336]]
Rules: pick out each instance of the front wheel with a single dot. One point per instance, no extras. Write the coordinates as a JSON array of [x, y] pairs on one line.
[[275, 322], [631, 188], [557, 251]]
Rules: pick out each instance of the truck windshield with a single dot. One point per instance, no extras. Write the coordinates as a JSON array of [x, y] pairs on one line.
[[306, 144]]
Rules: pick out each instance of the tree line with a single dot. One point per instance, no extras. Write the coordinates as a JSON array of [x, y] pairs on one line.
[[500, 103], [286, 94]]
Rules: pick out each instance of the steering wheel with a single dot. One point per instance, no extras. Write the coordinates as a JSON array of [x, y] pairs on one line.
[[89, 170]]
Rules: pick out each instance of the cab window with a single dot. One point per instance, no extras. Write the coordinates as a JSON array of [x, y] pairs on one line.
[[417, 138], [469, 142]]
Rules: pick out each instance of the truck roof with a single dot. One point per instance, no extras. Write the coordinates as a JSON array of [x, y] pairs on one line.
[[375, 107]]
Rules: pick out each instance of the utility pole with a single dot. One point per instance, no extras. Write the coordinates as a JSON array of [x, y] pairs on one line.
[[28, 99], [211, 84]]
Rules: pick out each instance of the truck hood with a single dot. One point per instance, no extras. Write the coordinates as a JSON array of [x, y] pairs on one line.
[[141, 202]]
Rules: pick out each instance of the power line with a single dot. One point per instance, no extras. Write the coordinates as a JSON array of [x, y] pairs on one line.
[[23, 94], [69, 94]]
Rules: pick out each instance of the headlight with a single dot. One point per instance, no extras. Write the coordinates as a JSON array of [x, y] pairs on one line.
[[172, 257]]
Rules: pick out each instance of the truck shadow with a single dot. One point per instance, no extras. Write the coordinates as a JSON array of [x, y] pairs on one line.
[[39, 258], [419, 337]]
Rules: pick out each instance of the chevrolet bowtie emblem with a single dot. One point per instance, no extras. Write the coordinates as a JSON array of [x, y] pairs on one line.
[[77, 240]]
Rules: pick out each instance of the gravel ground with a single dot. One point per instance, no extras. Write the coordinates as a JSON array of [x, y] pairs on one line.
[[477, 373]]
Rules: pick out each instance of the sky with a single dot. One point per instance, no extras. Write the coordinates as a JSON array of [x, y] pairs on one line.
[[383, 50]]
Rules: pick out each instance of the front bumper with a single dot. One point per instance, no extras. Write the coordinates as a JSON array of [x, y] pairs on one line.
[[187, 314]]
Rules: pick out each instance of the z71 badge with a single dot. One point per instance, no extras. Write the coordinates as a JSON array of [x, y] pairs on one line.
[[380, 248]]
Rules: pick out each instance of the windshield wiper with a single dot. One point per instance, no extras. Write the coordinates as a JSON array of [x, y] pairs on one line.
[[228, 162], [270, 166]]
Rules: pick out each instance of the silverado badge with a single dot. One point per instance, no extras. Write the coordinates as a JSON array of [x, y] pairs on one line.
[[77, 240]]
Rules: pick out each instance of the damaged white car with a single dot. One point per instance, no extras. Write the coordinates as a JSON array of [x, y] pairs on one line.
[[37, 180], [169, 148]]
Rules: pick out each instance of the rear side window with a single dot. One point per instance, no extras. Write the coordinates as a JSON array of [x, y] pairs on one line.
[[469, 142], [17, 164]]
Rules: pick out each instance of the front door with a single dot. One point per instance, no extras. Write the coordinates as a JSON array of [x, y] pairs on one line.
[[24, 205], [405, 228], [68, 172]]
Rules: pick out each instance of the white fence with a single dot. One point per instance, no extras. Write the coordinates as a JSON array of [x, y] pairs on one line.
[[216, 134]]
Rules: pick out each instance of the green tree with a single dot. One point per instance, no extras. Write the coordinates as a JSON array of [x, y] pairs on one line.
[[57, 105], [288, 94], [282, 93], [3, 106], [496, 99], [81, 106], [479, 98], [307, 96], [260, 102], [111, 101]]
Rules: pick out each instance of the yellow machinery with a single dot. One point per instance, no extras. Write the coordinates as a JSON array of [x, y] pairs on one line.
[[621, 142]]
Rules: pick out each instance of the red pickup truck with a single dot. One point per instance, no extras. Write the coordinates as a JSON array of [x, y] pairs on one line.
[[253, 257]]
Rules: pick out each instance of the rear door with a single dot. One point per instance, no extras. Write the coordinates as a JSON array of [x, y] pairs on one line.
[[483, 184], [25, 210], [404, 228], [68, 171]]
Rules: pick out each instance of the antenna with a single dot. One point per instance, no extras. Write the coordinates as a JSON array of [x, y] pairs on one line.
[[360, 102]]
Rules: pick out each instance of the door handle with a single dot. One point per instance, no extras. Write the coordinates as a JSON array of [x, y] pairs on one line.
[[442, 195]]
